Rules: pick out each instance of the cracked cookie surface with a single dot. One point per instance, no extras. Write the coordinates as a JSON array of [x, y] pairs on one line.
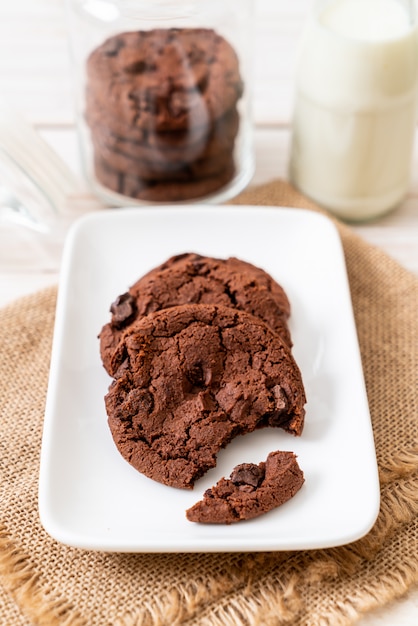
[[191, 378], [192, 278], [164, 79]]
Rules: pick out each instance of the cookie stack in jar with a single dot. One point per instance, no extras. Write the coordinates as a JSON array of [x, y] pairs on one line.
[[163, 100]]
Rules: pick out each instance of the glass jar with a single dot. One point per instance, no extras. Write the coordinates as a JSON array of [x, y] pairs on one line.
[[356, 106], [163, 98]]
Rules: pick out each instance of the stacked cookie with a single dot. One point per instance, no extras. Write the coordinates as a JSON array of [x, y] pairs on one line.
[[191, 278], [162, 110], [199, 349]]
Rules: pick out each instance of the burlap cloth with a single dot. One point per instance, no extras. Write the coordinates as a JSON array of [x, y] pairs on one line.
[[46, 583]]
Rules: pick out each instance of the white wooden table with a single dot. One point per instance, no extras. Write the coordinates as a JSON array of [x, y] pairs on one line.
[[35, 78]]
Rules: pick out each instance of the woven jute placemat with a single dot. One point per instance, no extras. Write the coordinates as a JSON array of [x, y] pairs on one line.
[[46, 583]]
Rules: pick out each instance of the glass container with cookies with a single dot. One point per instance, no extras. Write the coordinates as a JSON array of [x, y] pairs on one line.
[[163, 98]]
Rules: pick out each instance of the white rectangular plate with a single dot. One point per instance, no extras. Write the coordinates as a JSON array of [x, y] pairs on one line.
[[90, 497]]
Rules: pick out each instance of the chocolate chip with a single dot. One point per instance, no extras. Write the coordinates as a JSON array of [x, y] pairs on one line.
[[123, 309], [247, 474], [196, 375], [200, 267], [139, 67]]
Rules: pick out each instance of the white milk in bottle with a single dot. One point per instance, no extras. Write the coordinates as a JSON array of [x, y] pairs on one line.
[[356, 106]]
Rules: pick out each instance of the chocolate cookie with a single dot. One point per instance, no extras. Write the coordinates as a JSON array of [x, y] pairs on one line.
[[163, 147], [192, 278], [158, 170], [111, 121], [165, 79], [190, 379], [161, 190], [251, 491]]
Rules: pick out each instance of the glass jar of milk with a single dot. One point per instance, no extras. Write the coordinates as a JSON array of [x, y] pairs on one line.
[[356, 105]]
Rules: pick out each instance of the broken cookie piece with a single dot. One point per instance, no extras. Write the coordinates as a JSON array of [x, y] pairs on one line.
[[250, 491]]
